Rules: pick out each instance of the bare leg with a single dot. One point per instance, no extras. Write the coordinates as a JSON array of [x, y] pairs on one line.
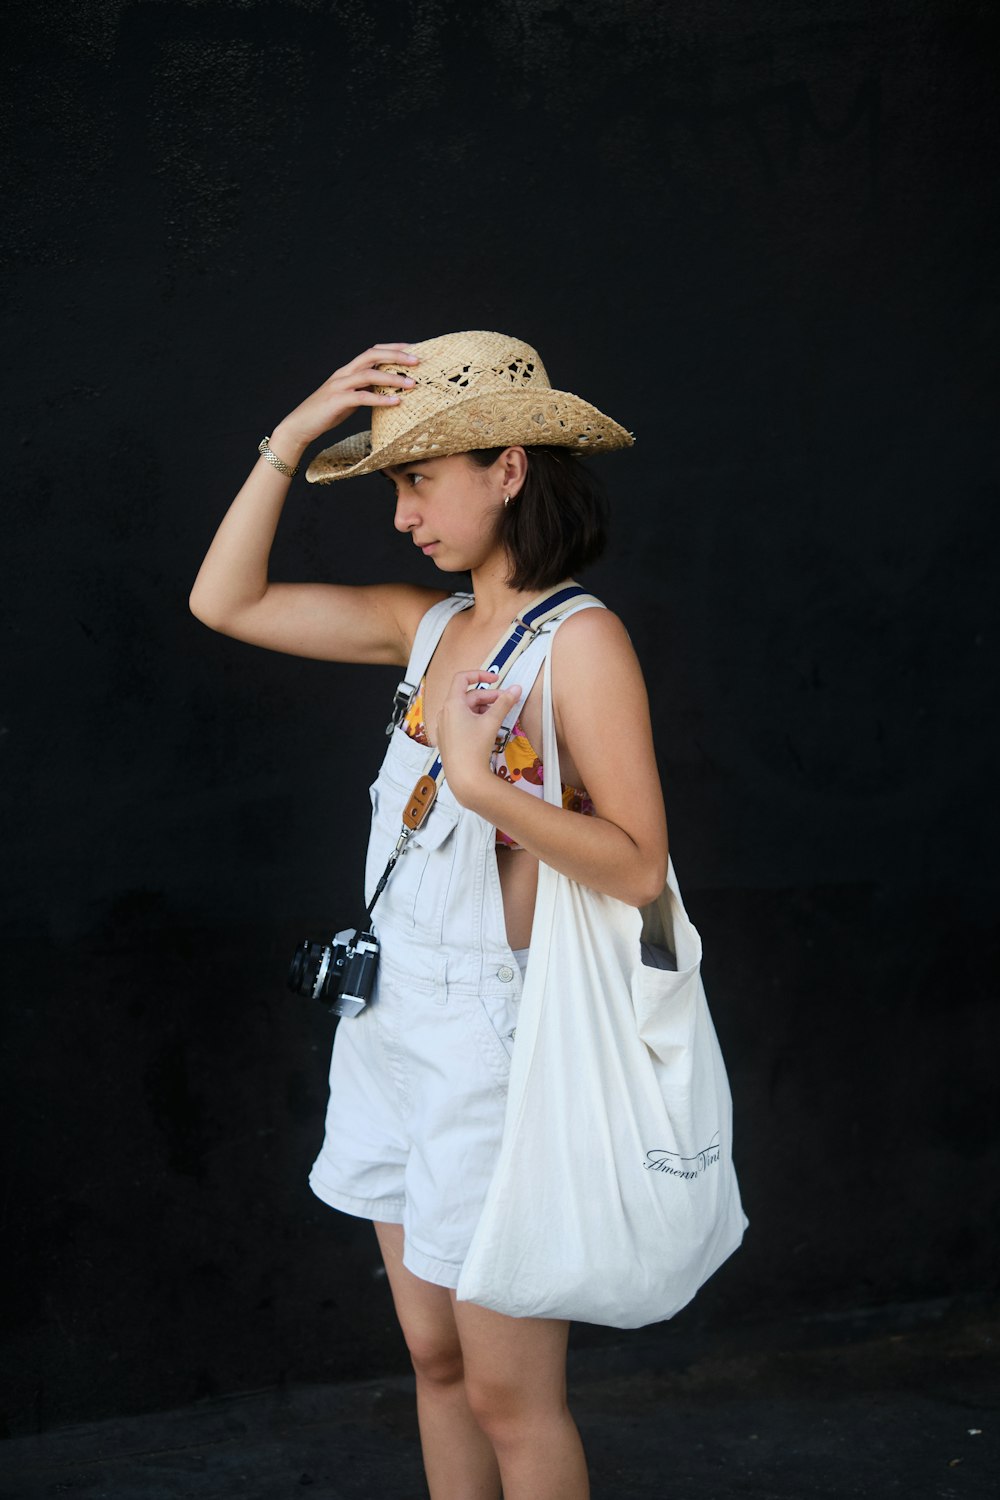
[[515, 1381], [458, 1456]]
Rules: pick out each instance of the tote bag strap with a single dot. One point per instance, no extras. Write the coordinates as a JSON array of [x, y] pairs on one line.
[[552, 776], [669, 939]]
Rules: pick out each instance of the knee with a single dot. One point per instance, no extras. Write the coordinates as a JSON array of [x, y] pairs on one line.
[[436, 1361], [499, 1407]]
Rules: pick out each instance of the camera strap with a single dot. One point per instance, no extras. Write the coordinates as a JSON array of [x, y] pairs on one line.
[[523, 630]]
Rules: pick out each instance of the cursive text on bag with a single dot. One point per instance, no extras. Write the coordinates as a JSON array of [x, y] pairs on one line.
[[683, 1166]]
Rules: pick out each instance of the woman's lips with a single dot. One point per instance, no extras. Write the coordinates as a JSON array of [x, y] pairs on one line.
[[427, 547]]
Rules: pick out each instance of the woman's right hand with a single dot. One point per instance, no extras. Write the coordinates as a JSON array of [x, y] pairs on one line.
[[346, 390]]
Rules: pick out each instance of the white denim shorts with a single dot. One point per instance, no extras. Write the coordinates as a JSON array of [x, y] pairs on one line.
[[418, 1085]]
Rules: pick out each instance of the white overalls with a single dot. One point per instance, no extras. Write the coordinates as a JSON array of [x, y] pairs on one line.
[[418, 1080]]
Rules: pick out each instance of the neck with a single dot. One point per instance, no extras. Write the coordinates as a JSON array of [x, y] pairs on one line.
[[495, 600]]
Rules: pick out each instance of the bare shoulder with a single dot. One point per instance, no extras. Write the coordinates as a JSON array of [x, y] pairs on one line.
[[602, 719], [598, 686], [592, 640]]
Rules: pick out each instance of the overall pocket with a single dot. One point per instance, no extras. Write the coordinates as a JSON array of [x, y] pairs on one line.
[[500, 1013], [414, 896]]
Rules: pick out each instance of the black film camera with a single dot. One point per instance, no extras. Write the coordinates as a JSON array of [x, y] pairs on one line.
[[340, 974]]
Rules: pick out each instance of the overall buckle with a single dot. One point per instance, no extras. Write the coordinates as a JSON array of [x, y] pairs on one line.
[[532, 630], [401, 701]]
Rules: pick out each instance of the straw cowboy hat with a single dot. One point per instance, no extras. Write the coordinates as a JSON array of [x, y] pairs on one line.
[[473, 390]]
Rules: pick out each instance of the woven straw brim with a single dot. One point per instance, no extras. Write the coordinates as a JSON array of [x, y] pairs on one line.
[[526, 418]]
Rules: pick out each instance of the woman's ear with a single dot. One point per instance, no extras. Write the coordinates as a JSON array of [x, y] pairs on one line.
[[515, 470]]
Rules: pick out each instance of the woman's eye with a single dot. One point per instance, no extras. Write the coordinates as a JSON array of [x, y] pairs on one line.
[[414, 477]]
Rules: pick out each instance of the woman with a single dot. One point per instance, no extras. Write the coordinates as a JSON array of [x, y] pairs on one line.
[[482, 456]]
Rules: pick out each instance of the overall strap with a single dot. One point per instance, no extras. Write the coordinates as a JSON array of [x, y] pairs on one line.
[[429, 632], [523, 632], [549, 609], [535, 655]]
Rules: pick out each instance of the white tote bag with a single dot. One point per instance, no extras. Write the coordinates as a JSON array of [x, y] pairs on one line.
[[614, 1196]]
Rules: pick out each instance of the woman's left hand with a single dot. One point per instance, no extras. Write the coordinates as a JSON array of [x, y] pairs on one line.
[[467, 727]]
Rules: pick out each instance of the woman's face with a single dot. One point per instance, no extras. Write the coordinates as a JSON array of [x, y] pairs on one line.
[[450, 506]]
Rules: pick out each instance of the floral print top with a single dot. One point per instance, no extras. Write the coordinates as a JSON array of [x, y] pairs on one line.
[[517, 762]]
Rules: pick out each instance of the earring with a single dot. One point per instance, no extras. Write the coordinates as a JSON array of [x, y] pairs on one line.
[[506, 501]]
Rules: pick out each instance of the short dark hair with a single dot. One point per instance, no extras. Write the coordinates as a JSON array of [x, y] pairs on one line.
[[558, 522]]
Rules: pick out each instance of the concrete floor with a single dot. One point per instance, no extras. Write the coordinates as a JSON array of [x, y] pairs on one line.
[[900, 1401]]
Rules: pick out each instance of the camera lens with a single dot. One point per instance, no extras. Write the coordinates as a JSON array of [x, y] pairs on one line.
[[304, 966]]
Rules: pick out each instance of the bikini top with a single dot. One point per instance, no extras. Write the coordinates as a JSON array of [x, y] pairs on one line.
[[517, 762]]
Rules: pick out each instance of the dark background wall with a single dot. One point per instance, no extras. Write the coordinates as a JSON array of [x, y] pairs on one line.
[[761, 236]]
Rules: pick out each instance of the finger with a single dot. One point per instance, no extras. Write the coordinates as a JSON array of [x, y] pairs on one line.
[[469, 680], [370, 375], [478, 700], [386, 354], [487, 697], [504, 700], [371, 358], [356, 387]]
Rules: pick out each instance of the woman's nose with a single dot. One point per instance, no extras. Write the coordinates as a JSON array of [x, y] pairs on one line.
[[406, 513]]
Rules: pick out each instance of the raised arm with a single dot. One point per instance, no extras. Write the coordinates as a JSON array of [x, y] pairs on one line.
[[333, 622]]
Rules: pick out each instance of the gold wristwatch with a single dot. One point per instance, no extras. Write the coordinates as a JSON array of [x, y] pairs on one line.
[[279, 463]]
